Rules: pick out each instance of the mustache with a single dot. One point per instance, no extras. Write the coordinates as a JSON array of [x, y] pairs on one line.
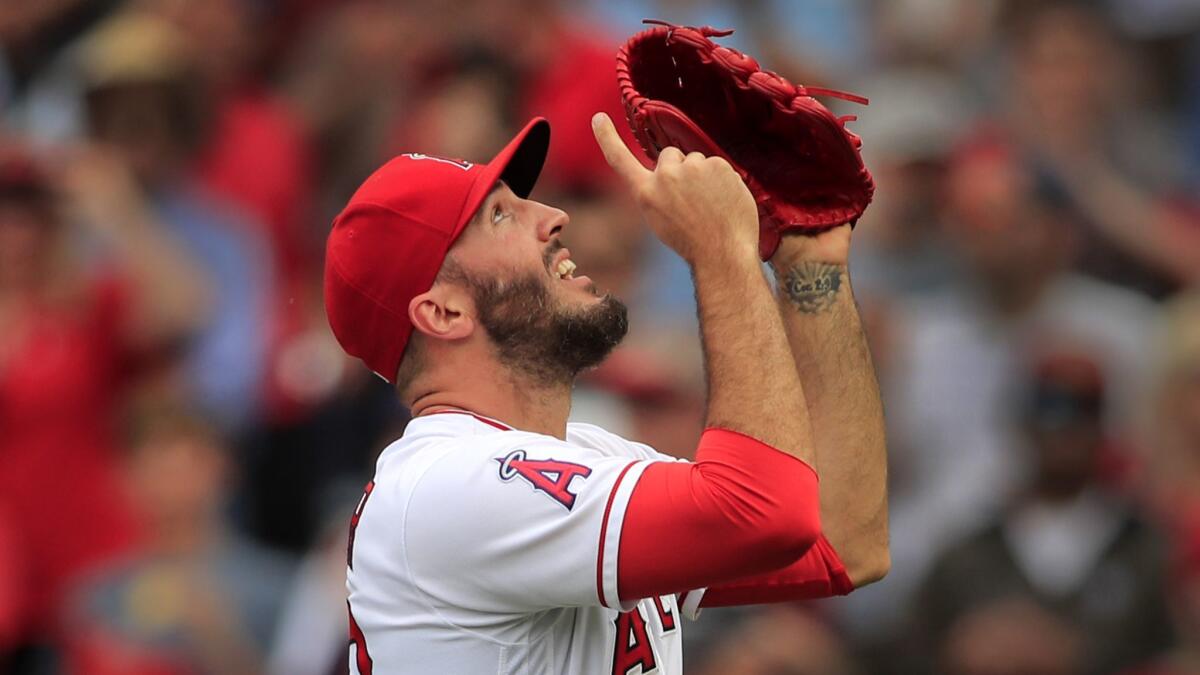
[[552, 250]]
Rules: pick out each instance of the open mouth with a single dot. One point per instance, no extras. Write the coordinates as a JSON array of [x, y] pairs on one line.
[[561, 265], [565, 269]]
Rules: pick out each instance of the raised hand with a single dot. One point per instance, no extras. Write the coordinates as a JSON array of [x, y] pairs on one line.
[[697, 205]]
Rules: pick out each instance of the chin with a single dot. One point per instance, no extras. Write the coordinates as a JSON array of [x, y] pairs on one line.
[[587, 293]]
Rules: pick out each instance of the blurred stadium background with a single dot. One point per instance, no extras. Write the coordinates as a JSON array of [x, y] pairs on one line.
[[182, 442]]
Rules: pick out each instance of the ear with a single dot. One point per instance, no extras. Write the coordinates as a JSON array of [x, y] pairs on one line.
[[442, 313]]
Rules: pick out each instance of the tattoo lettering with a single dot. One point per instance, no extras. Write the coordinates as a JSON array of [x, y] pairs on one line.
[[812, 286]]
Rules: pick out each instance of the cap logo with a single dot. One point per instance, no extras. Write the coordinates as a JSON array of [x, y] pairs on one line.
[[462, 164]]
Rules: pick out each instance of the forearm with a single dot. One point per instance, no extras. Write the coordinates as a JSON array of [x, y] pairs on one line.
[[744, 345], [170, 291], [833, 361]]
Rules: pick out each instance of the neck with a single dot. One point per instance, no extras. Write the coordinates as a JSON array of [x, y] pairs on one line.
[[510, 399]]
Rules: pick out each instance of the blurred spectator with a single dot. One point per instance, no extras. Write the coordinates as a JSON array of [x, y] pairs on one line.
[[956, 34], [12, 600], [798, 38], [1173, 480], [1174, 407], [1184, 657], [311, 639], [958, 357], [143, 101], [1066, 561], [161, 208], [253, 152], [354, 70], [196, 598], [1075, 107], [466, 110], [1012, 637], [778, 640], [76, 333], [916, 117], [292, 471], [1191, 118], [31, 36], [657, 379], [564, 67]]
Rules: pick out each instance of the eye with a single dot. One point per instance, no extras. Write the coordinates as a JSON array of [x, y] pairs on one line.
[[498, 214]]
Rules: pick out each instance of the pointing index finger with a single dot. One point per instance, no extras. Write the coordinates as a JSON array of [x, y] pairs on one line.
[[615, 151]]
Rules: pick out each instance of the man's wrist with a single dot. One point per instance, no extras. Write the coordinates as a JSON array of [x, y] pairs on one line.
[[829, 246], [730, 256]]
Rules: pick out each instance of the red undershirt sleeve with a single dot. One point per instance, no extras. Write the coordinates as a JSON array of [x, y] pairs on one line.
[[819, 573], [742, 509]]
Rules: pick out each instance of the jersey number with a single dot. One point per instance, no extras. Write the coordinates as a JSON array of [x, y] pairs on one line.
[[633, 646], [358, 643], [354, 523], [362, 664]]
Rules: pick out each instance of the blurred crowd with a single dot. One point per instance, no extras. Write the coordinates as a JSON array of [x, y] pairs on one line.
[[182, 442]]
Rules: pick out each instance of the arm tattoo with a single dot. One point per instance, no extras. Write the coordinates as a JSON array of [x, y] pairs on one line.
[[812, 286]]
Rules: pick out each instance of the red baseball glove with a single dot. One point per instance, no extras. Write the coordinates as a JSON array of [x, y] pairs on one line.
[[800, 162]]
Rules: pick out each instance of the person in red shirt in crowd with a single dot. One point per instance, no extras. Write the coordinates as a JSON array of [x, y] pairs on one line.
[[75, 333]]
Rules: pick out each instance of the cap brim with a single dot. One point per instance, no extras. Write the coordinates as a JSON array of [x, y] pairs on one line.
[[519, 164], [522, 159]]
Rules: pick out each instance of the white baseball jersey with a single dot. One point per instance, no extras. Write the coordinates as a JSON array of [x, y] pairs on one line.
[[482, 549]]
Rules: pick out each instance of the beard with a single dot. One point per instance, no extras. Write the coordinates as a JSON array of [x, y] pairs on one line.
[[539, 337]]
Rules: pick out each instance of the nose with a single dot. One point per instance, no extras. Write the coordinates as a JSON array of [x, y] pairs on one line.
[[552, 222]]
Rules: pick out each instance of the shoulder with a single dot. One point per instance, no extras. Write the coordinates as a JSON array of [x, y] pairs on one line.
[[493, 487], [448, 456], [605, 442], [486, 463]]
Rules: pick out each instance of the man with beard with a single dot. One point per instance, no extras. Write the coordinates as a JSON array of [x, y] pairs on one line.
[[498, 538]]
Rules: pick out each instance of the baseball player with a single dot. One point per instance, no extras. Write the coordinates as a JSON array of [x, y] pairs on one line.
[[497, 538]]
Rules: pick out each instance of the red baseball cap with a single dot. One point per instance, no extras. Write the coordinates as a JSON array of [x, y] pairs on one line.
[[387, 245]]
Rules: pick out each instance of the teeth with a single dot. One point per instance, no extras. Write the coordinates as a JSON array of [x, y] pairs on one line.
[[565, 268]]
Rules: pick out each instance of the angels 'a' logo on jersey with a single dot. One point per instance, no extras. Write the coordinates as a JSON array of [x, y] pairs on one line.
[[460, 163], [548, 476]]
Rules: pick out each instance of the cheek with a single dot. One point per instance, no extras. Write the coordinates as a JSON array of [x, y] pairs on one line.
[[524, 261], [502, 253]]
